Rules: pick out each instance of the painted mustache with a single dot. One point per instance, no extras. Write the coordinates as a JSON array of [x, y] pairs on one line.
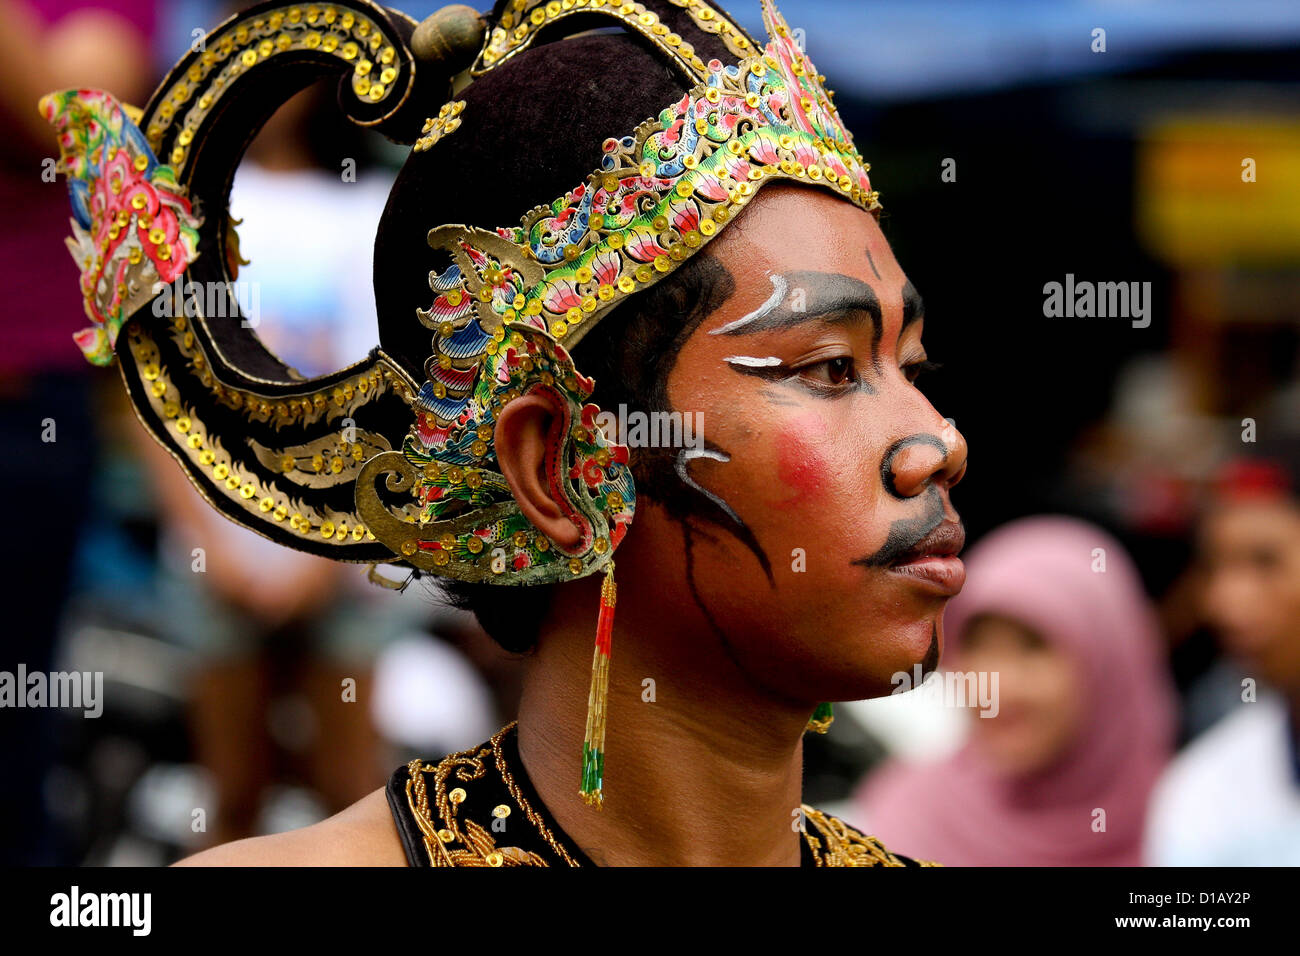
[[944, 541], [912, 538]]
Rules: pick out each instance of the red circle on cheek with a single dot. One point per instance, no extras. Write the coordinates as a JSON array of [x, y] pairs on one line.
[[800, 460]]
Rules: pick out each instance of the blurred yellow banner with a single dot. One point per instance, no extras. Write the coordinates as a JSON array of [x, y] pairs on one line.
[[1221, 191]]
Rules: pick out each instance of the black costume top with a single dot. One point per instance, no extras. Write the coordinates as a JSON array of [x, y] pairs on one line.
[[478, 808]]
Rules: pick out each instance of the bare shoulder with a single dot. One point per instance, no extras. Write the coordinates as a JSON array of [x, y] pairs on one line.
[[362, 835]]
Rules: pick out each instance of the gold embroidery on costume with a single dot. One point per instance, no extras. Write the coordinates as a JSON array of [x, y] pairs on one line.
[[439, 796], [324, 462], [454, 844], [533, 817], [841, 845]]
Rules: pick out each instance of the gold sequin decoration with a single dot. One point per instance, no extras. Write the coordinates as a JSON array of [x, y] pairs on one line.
[[238, 47], [324, 462], [436, 127], [331, 403], [712, 21], [520, 24]]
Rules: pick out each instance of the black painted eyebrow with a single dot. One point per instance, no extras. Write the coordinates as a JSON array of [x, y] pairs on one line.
[[826, 294], [913, 307], [828, 297]]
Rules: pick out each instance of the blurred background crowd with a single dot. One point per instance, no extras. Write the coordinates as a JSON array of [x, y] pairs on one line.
[[1148, 704]]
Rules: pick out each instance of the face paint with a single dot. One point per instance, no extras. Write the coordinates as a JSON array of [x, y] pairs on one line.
[[685, 456], [924, 548], [751, 361], [906, 534], [887, 476], [779, 289], [773, 398], [780, 373], [739, 528], [801, 466], [831, 298], [872, 262], [852, 601], [826, 296]]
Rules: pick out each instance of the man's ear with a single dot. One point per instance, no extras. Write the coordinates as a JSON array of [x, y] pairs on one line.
[[527, 431]]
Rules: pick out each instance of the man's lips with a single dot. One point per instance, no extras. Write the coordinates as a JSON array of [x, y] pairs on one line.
[[933, 560]]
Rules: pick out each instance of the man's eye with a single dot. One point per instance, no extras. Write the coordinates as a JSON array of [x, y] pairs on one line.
[[836, 371], [915, 370]]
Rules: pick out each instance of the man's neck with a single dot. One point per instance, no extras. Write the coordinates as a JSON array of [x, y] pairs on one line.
[[708, 773]]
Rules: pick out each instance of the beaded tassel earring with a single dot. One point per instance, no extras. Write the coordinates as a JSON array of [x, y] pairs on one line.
[[593, 745], [821, 719]]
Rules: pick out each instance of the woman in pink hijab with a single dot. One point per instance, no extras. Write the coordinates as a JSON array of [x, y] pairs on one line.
[[1084, 711]]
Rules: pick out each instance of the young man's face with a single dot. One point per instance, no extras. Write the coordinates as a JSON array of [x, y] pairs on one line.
[[827, 470], [1251, 551]]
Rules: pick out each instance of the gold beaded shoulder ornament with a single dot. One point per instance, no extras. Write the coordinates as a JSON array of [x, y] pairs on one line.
[[368, 464]]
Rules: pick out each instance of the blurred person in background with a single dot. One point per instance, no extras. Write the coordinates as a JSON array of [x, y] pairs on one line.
[[44, 402], [1059, 771], [1232, 797]]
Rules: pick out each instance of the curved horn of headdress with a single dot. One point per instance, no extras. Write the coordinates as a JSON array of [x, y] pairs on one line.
[[272, 450]]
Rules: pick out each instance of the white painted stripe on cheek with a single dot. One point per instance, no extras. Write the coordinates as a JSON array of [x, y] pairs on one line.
[[685, 456]]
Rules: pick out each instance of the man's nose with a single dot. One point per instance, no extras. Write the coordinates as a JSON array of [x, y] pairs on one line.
[[913, 463]]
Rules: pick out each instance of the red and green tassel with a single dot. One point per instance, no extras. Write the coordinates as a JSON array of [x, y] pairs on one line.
[[593, 745]]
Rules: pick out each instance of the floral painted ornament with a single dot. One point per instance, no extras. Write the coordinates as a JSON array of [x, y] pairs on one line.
[[469, 525], [132, 225]]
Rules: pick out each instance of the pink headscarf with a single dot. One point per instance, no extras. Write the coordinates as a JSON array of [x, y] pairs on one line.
[[962, 812]]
